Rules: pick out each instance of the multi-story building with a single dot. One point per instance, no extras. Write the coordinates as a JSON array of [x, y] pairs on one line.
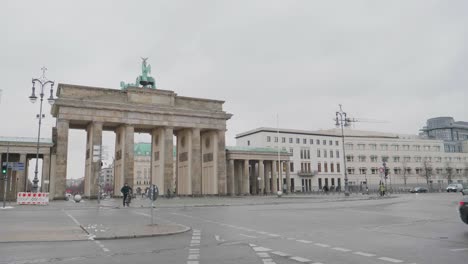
[[453, 133], [317, 159], [141, 169], [107, 179]]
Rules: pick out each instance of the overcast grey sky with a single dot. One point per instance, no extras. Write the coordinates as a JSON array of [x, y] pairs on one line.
[[397, 61]]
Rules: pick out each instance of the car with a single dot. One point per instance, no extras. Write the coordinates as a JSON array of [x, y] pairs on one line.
[[454, 187], [463, 208], [465, 191], [419, 190]]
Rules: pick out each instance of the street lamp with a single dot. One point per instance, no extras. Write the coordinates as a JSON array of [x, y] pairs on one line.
[[343, 121], [33, 98]]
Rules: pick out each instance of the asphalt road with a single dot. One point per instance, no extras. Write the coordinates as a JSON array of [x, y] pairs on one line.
[[422, 228]]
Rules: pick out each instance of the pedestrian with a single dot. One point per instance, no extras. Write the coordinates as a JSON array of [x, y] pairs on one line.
[[382, 189], [126, 191], [325, 189]]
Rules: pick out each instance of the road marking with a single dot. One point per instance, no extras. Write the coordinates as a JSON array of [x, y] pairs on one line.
[[192, 262], [279, 253], [364, 254], [459, 249], [194, 252], [321, 245], [391, 260], [262, 232], [247, 236], [268, 261], [274, 235], [263, 254], [304, 241], [260, 249], [341, 249], [73, 218], [303, 260], [252, 245], [218, 238]]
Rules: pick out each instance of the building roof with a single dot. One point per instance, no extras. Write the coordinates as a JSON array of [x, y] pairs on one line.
[[255, 149], [25, 140], [336, 132]]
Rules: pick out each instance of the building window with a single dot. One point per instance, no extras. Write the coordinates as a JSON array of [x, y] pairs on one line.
[[325, 167], [317, 142], [283, 140], [361, 146], [268, 139], [350, 158], [311, 141], [324, 153], [397, 171], [373, 146], [417, 159], [331, 153], [349, 146], [374, 170], [291, 167], [276, 139], [408, 171], [362, 158], [362, 171], [350, 170], [318, 153], [291, 150], [332, 167], [396, 159], [248, 142], [338, 169], [324, 142], [406, 147], [395, 147], [298, 141], [374, 158], [330, 143], [407, 159], [304, 141], [291, 140], [337, 154], [429, 159], [384, 147], [438, 159], [302, 153], [384, 158], [418, 170], [437, 148], [319, 167], [417, 148], [337, 143], [308, 153], [427, 148]]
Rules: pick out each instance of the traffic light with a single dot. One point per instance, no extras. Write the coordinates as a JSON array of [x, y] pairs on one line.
[[387, 171], [4, 169]]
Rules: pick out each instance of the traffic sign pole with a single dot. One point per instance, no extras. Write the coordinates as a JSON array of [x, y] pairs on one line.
[[5, 183]]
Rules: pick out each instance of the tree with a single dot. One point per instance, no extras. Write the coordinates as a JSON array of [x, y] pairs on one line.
[[427, 172], [405, 173], [449, 172]]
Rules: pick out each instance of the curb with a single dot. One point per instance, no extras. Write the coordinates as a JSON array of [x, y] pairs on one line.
[[185, 229]]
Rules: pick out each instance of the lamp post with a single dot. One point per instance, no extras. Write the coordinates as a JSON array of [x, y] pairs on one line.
[[343, 121], [42, 82]]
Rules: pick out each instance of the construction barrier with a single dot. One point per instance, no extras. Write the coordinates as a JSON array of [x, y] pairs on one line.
[[32, 198]]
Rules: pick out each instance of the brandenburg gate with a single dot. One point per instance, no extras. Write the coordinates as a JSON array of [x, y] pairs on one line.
[[198, 124]]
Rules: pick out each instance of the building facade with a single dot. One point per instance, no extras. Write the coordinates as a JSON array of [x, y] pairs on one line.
[[453, 133], [317, 158]]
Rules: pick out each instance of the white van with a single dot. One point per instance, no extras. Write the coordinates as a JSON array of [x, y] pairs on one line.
[[455, 187]]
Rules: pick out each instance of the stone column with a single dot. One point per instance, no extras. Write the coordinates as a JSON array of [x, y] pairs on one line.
[[245, 178], [45, 173], [288, 176], [92, 168], [230, 178], [128, 155], [253, 177], [261, 174], [267, 177], [238, 175], [162, 164], [274, 177], [124, 158], [61, 161], [222, 175], [196, 162], [21, 175]]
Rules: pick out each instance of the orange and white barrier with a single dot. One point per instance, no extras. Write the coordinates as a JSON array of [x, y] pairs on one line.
[[32, 198]]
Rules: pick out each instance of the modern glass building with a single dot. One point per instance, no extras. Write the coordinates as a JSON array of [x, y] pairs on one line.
[[453, 133]]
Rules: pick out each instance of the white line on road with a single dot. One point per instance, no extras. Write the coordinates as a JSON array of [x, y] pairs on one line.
[[304, 241], [364, 254], [260, 249], [391, 260], [73, 218], [263, 254], [321, 245], [218, 238], [274, 235], [459, 249], [247, 236], [341, 249], [279, 253], [303, 260]]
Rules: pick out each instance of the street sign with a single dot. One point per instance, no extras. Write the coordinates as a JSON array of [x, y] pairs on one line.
[[46, 181], [381, 170]]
